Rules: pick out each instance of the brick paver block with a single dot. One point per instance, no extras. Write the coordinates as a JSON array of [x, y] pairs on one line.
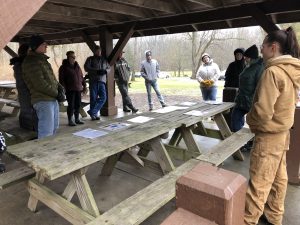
[[213, 193], [184, 217]]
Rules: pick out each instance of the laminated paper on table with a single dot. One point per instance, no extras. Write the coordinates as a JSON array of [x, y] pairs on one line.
[[115, 126], [140, 119], [90, 133], [170, 109], [195, 113]]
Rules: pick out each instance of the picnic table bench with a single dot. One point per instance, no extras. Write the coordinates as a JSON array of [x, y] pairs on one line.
[[66, 154], [12, 103]]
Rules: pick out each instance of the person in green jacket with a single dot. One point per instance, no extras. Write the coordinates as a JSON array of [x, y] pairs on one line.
[[43, 86], [248, 80]]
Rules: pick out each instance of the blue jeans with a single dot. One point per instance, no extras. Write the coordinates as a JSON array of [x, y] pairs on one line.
[[237, 119], [209, 93], [48, 117], [153, 83], [97, 97]]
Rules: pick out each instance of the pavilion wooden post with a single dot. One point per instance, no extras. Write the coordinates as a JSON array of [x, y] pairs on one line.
[[106, 43]]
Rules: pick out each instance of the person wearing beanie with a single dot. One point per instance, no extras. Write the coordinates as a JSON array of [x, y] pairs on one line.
[[150, 72], [27, 117], [207, 76], [97, 68], [43, 86], [248, 81], [71, 77], [235, 68]]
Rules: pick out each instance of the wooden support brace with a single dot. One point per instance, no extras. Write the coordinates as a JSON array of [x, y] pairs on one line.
[[88, 41], [226, 132], [191, 144], [33, 201], [161, 154], [57, 203], [176, 137]]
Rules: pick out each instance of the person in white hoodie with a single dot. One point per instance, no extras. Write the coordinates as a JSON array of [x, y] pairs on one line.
[[150, 71], [208, 75]]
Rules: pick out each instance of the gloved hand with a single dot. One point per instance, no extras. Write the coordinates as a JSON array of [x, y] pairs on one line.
[[101, 72]]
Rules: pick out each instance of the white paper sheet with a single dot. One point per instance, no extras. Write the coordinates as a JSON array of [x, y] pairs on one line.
[[169, 109], [115, 126], [140, 119], [188, 103], [195, 113], [90, 133]]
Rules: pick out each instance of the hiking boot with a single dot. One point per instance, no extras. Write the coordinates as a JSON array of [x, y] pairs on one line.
[[164, 105], [79, 121], [71, 122], [97, 117], [134, 110], [126, 110]]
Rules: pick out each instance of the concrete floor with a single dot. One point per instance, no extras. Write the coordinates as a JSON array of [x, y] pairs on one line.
[[125, 181]]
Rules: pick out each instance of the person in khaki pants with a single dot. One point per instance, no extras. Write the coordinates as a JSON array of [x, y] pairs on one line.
[[270, 118]]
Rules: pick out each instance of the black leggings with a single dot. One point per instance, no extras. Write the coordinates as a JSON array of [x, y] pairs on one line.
[[74, 101]]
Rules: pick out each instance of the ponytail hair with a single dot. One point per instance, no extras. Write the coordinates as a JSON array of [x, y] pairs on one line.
[[287, 41]]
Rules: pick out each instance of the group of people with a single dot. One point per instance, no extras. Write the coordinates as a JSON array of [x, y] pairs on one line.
[[267, 92], [40, 91]]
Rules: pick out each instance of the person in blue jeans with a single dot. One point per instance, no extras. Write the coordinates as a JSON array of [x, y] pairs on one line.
[[43, 86], [207, 76], [150, 71], [97, 68]]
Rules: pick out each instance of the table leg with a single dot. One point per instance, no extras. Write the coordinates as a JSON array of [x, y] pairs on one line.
[[33, 201], [161, 154], [191, 144], [84, 193], [176, 137], [226, 132]]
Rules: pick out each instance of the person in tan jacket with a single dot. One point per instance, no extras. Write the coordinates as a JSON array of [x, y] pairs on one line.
[[270, 118]]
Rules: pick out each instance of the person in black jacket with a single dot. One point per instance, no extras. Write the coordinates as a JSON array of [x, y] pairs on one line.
[[122, 75], [27, 118], [235, 68], [70, 76]]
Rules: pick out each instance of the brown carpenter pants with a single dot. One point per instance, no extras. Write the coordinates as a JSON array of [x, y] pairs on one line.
[[268, 178]]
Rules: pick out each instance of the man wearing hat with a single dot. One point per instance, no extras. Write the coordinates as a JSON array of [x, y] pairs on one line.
[[235, 68], [43, 86], [248, 80], [97, 68], [150, 71], [122, 75]]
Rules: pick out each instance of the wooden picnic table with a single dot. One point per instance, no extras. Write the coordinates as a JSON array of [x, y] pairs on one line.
[[67, 154]]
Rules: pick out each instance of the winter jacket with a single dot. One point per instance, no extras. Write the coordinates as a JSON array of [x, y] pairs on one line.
[[249, 79], [276, 96], [122, 71], [27, 117], [150, 70], [97, 68], [232, 73], [39, 77], [70, 76], [209, 71]]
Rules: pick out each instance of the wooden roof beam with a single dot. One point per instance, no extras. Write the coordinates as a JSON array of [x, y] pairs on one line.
[[89, 41], [112, 58], [100, 5], [153, 5], [65, 19], [180, 7], [53, 24], [207, 3], [50, 8], [261, 18]]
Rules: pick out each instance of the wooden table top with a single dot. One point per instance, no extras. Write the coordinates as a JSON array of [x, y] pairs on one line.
[[62, 154]]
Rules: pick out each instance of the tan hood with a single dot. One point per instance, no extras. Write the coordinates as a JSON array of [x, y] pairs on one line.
[[290, 65]]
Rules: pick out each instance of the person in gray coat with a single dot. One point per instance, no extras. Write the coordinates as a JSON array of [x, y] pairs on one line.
[[150, 71]]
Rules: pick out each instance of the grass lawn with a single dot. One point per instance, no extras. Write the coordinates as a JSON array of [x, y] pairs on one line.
[[173, 86]]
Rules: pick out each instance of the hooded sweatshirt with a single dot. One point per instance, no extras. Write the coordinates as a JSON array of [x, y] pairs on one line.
[[276, 96]]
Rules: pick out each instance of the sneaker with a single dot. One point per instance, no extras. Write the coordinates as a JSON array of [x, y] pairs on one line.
[[97, 117], [150, 109], [93, 118]]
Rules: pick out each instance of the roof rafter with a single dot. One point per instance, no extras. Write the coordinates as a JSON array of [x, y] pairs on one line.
[[153, 4], [100, 5], [207, 3]]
